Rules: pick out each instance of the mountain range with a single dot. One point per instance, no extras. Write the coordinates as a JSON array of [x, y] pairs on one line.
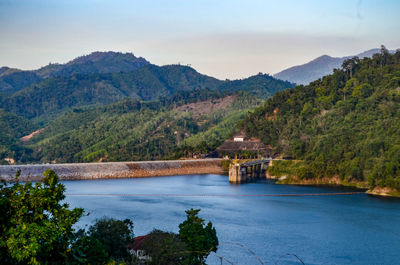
[[73, 107], [341, 128], [318, 68]]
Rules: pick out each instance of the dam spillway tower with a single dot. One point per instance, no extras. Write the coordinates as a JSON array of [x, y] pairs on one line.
[[235, 176], [250, 170]]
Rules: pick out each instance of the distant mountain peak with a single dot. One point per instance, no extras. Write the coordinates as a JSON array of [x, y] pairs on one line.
[[317, 68], [325, 56], [99, 56], [95, 62], [7, 70], [13, 80]]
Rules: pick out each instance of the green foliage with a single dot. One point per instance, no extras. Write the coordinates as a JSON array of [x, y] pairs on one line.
[[281, 168], [14, 127], [362, 91], [87, 250], [134, 130], [200, 239], [45, 100], [261, 85], [164, 248], [92, 112], [49, 98], [346, 124], [96, 62], [35, 227], [114, 235], [17, 80]]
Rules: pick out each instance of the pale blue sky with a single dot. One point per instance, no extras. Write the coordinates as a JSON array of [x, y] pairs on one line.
[[222, 38]]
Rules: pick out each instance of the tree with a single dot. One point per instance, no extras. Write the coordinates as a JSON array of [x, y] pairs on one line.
[[200, 239], [164, 248], [87, 250], [114, 235], [349, 64], [35, 228]]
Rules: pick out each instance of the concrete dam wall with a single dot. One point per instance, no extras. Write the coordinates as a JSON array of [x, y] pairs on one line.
[[79, 171]]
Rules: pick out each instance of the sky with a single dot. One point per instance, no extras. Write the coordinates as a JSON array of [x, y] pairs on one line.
[[222, 38]]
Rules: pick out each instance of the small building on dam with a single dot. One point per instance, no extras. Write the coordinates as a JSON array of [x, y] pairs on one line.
[[243, 147]]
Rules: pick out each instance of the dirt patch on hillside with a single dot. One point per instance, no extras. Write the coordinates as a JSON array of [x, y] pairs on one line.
[[206, 107], [29, 136]]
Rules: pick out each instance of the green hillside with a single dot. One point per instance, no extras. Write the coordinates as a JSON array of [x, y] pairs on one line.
[[96, 62], [52, 96], [133, 130], [14, 80], [13, 127], [344, 125], [262, 85], [114, 106]]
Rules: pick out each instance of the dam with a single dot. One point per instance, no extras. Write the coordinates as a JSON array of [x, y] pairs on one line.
[[109, 170]]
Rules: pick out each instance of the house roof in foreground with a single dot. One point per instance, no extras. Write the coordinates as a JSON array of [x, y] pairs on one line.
[[138, 241]]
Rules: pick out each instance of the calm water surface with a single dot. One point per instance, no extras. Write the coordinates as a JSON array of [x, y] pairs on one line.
[[346, 229]]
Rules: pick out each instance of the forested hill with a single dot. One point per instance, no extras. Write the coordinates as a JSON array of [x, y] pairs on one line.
[[48, 98], [87, 110], [96, 62], [13, 128], [13, 80], [57, 94], [346, 124], [133, 130]]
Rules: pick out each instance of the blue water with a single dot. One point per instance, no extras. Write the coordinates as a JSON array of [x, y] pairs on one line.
[[346, 229]]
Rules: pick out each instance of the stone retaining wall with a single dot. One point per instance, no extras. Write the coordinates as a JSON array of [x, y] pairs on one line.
[[115, 169]]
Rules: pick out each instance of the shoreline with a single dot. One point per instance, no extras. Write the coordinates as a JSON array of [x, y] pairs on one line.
[[336, 182], [115, 170]]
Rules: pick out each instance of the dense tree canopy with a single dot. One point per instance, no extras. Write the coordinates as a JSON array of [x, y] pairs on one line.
[[114, 107], [114, 235], [200, 239], [135, 130], [346, 124], [165, 248], [36, 228]]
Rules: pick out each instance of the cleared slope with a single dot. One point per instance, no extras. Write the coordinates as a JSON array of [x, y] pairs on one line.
[[132, 130]]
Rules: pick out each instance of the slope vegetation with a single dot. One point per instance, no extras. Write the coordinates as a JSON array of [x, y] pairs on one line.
[[113, 106], [14, 80], [133, 130], [55, 95], [12, 128], [346, 125]]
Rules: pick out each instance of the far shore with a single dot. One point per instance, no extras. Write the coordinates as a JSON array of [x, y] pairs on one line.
[[336, 182]]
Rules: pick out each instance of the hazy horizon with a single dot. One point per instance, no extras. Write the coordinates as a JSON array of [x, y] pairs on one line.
[[227, 39]]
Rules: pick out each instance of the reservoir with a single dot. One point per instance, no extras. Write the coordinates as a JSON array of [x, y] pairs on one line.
[[320, 229]]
